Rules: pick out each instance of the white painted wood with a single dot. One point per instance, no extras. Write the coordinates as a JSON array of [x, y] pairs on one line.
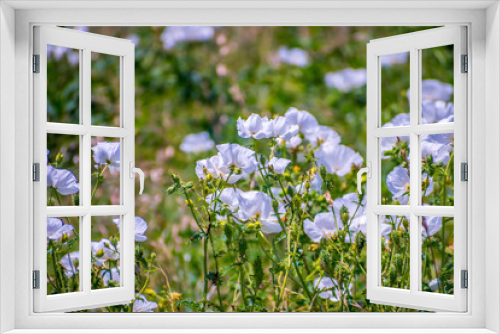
[[471, 322], [414, 43], [86, 43]]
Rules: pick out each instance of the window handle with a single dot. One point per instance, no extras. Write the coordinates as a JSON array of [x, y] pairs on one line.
[[368, 171], [135, 170]]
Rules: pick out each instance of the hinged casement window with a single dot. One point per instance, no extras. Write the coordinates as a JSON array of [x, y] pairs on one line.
[[68, 195], [415, 131]]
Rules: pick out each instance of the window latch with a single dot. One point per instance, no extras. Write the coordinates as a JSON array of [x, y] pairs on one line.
[[368, 171], [134, 170]]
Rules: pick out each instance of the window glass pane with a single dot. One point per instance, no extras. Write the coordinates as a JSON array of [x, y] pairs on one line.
[[395, 252], [105, 89], [395, 79], [437, 254], [437, 85], [105, 252], [63, 169], [437, 169], [63, 255], [106, 166], [63, 86], [395, 170]]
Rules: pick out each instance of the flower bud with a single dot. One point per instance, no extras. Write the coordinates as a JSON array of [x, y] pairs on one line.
[[322, 172], [171, 190], [175, 178]]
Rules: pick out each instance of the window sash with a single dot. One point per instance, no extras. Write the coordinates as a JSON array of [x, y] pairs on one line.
[[413, 43]]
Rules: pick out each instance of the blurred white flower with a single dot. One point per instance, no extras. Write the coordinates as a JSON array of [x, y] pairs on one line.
[[175, 34], [255, 126], [70, 263], [440, 152], [306, 122], [197, 142], [278, 164], [433, 90], [431, 225], [437, 112], [112, 274], [329, 288], [434, 284], [284, 129], [323, 135], [58, 52], [134, 39], [398, 183], [56, 229], [291, 144], [294, 56], [323, 227], [140, 227], [256, 206], [346, 80], [396, 58], [104, 250], [63, 180], [228, 197], [141, 304], [107, 154], [338, 159], [398, 120]]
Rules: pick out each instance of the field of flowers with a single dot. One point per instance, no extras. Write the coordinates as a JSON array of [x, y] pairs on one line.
[[251, 138]]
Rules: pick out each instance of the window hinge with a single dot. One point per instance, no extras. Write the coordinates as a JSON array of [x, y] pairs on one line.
[[36, 279], [36, 172], [36, 63], [464, 171], [465, 279], [465, 64]]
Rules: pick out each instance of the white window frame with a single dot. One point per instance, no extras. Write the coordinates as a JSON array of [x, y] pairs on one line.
[[86, 43], [413, 43], [483, 21]]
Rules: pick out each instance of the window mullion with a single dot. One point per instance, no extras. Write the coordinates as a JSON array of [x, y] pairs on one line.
[[414, 167]]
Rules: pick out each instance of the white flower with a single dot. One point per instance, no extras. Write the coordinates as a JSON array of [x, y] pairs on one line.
[[357, 214], [112, 274], [175, 34], [235, 160], [437, 112], [140, 227], [197, 142], [227, 198], [398, 183], [323, 227], [338, 159], [291, 144], [278, 165], [283, 128], [56, 229], [434, 284], [107, 154], [306, 122], [433, 90], [431, 225], [346, 80], [326, 285], [438, 152], [141, 304], [399, 120], [208, 166], [104, 250], [63, 180], [396, 58], [295, 56], [256, 206], [255, 127], [323, 135], [70, 263]]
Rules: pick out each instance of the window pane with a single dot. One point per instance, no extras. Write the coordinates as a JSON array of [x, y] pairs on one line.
[[395, 170], [63, 86], [105, 89], [437, 254], [395, 79], [395, 252], [63, 169], [106, 166], [437, 169], [105, 252], [437, 85], [63, 255]]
